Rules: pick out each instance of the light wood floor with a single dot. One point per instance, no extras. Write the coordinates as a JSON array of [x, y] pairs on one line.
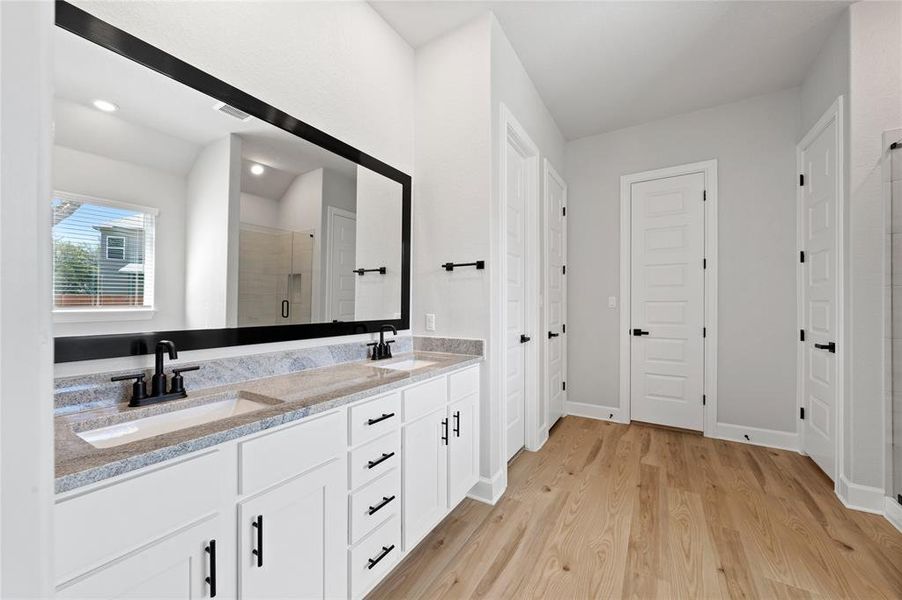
[[611, 511]]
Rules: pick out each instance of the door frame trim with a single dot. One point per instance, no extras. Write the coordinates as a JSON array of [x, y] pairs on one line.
[[709, 169], [550, 173], [331, 211], [513, 132], [833, 114]]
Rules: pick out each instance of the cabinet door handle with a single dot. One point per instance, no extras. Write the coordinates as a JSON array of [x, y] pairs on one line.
[[385, 456], [381, 505], [375, 561], [258, 551], [380, 419], [445, 431], [457, 423], [211, 579]]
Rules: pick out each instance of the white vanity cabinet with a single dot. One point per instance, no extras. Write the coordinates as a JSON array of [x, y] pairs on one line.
[[324, 507], [290, 538]]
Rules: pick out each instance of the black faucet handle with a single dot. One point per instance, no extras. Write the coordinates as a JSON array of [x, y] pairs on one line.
[[375, 354], [177, 385], [139, 389], [388, 349], [185, 369]]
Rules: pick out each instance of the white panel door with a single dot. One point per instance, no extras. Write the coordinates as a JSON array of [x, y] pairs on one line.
[[667, 291], [297, 549], [342, 253], [555, 294], [174, 568], [515, 317], [819, 163]]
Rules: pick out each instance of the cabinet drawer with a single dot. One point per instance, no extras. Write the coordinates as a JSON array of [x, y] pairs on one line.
[[371, 419], [98, 526], [282, 454], [374, 503], [425, 398], [374, 557], [463, 383], [374, 459]]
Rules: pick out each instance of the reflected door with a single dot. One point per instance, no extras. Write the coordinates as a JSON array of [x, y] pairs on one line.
[[667, 291], [342, 258]]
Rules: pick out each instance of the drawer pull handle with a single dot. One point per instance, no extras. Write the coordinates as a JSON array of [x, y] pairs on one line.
[[258, 551], [381, 505], [445, 431], [457, 423], [375, 561], [385, 456], [380, 419], [211, 579]]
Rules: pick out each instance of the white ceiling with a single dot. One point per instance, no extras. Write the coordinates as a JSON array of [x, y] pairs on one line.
[[601, 66]]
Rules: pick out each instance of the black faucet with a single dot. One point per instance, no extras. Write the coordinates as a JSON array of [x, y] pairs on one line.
[[382, 349], [158, 391]]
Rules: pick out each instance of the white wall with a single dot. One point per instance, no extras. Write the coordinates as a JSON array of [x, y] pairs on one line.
[[462, 79], [260, 211], [212, 211], [875, 105], [754, 143], [89, 174], [378, 244], [26, 344], [828, 76]]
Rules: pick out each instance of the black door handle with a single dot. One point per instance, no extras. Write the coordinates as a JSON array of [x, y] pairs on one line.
[[445, 431], [385, 456], [638, 332], [380, 419], [381, 505], [211, 579], [524, 338], [375, 561], [830, 347], [457, 423], [258, 552], [552, 335]]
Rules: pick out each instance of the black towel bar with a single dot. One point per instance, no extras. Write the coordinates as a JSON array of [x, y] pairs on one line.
[[449, 266], [360, 272]]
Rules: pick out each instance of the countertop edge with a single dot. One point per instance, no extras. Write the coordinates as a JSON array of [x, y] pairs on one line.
[[72, 481]]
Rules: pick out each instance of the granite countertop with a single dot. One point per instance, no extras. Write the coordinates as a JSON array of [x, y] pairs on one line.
[[289, 397]]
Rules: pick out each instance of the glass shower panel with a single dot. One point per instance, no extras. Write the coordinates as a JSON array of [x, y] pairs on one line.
[[893, 168]]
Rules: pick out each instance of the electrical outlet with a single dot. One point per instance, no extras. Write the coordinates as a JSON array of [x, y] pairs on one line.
[[612, 301], [430, 322]]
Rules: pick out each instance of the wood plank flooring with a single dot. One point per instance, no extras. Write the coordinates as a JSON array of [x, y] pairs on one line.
[[631, 511]]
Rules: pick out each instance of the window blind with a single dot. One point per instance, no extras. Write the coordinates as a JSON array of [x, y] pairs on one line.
[[102, 254]]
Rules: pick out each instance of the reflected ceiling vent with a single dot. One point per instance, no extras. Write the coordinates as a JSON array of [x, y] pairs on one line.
[[231, 111]]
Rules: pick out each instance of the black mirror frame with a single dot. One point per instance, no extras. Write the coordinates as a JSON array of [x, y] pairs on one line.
[[89, 347]]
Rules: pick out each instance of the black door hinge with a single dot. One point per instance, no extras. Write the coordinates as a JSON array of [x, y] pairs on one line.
[[801, 179], [801, 256], [564, 328], [704, 195], [564, 385], [564, 211], [899, 498], [801, 335], [704, 332], [704, 400], [564, 270], [801, 412], [704, 263]]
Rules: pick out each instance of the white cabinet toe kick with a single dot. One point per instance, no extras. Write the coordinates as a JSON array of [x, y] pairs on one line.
[[324, 507]]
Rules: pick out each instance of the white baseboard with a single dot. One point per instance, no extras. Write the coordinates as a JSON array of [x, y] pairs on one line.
[[594, 411], [865, 498], [784, 440], [489, 491], [893, 512]]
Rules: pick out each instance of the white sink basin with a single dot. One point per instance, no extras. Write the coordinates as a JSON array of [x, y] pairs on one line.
[[140, 429], [407, 365]]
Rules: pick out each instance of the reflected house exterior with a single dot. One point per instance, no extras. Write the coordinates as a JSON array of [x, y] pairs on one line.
[[120, 263]]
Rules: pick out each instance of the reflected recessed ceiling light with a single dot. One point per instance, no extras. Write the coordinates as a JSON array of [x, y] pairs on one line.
[[105, 106], [257, 169]]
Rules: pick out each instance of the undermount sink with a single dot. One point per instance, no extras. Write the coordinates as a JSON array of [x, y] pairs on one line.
[[407, 365], [233, 404]]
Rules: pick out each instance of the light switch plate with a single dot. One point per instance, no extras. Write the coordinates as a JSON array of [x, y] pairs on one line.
[[612, 301], [430, 322]]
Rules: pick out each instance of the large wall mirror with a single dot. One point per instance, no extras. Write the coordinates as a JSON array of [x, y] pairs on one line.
[[186, 208]]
